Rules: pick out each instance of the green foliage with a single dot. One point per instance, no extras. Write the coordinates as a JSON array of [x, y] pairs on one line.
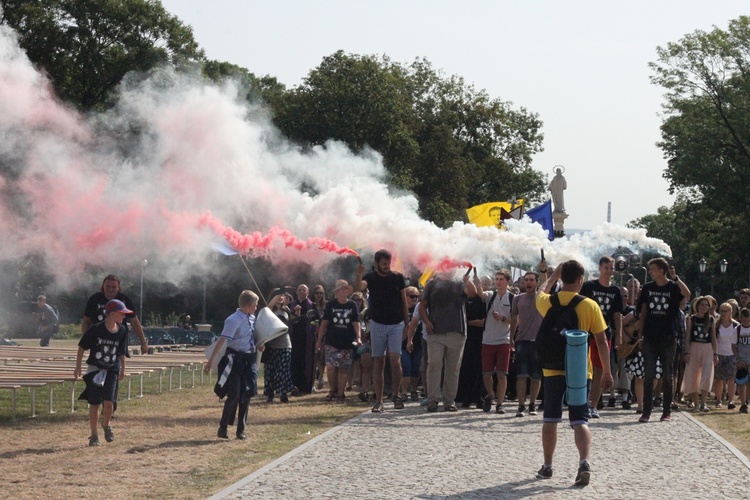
[[88, 46], [267, 89], [452, 145], [155, 319], [70, 331], [706, 141]]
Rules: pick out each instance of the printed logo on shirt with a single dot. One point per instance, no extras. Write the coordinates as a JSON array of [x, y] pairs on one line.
[[658, 303]]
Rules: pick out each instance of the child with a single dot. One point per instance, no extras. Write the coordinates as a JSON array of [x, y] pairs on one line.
[[238, 369], [742, 353], [107, 345]]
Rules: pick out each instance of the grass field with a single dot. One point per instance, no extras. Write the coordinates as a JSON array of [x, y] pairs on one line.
[[166, 445]]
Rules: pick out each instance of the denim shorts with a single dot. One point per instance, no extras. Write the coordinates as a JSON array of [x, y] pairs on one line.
[[554, 393], [386, 337], [527, 360]]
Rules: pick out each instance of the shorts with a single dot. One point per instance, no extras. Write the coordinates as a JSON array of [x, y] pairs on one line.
[[596, 362], [554, 393], [527, 360], [96, 394], [495, 358], [725, 369], [338, 358], [386, 338]]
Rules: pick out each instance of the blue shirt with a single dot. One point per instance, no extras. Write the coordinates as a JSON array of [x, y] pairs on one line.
[[239, 331]]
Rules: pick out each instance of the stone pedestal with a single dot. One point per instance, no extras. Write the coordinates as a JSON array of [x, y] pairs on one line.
[[558, 219]]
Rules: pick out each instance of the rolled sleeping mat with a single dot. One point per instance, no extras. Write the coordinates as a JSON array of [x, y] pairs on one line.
[[209, 351], [268, 326], [576, 367]]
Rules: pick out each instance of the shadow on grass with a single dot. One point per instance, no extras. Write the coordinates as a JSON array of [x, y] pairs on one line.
[[36, 451], [172, 444]]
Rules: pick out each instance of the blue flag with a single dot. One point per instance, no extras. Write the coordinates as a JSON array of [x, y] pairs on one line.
[[543, 215]]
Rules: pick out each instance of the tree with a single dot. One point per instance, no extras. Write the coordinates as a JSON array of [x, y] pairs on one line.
[[87, 46], [706, 140], [266, 89], [451, 145]]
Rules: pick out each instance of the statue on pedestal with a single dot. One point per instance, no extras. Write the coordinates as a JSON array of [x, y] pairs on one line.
[[556, 188]]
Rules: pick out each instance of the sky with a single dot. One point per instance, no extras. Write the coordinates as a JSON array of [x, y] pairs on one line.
[[582, 66]]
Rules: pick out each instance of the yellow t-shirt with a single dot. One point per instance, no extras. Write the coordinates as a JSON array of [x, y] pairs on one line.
[[590, 319]]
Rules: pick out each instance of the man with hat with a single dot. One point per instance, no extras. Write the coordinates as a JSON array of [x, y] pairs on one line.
[[341, 328], [107, 343]]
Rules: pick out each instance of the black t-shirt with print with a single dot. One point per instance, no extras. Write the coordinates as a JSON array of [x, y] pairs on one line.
[[662, 304], [341, 318], [105, 347], [609, 299]]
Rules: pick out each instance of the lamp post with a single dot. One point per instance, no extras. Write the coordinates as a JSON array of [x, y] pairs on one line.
[[140, 308], [722, 267]]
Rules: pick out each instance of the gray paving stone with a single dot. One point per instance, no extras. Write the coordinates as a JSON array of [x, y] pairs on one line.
[[471, 454]]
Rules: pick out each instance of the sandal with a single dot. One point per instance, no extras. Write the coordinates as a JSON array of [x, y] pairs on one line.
[[451, 408], [378, 408], [341, 399], [397, 403], [328, 398]]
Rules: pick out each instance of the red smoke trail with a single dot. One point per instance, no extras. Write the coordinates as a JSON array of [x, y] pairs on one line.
[[448, 264], [259, 244]]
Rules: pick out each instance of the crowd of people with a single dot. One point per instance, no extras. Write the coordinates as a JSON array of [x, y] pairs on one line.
[[475, 342]]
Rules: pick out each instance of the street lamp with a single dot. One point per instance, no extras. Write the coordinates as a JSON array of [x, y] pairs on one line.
[[722, 267], [140, 309]]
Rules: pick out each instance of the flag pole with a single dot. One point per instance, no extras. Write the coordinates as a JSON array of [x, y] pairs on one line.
[[252, 278]]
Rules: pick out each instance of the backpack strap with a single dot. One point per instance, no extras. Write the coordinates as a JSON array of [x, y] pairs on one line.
[[492, 299]]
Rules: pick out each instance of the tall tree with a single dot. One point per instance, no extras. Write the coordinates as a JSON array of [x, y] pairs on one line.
[[451, 145], [706, 141], [87, 46]]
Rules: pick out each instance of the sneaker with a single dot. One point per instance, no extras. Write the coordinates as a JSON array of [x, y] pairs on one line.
[[657, 401], [600, 404], [109, 435], [424, 402], [363, 397], [94, 440], [519, 413], [718, 406], [284, 398], [545, 472], [584, 474], [432, 407], [666, 417], [731, 406], [532, 410], [487, 406], [645, 417], [398, 404], [611, 403], [414, 396], [743, 409], [241, 436], [703, 408], [499, 409], [222, 434], [593, 413], [625, 405]]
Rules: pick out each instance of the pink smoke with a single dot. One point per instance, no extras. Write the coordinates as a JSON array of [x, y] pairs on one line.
[[259, 244]]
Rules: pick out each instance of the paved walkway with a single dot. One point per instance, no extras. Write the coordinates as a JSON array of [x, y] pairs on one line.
[[472, 454]]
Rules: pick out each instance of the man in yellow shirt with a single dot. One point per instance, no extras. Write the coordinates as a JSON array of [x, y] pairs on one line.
[[590, 319]]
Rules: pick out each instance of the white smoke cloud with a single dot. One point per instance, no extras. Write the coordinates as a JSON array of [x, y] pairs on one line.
[[114, 188]]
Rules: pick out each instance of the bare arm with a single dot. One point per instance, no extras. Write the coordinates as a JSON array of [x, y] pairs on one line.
[[85, 324], [469, 287], [79, 359], [359, 284], [617, 319], [601, 344], [138, 329], [550, 282]]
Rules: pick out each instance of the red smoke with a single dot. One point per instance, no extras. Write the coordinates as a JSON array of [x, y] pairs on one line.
[[448, 264], [259, 244]]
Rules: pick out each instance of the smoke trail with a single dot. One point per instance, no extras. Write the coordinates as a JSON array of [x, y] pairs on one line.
[[178, 162]]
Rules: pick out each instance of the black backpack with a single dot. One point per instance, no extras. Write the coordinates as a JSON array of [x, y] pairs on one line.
[[550, 340]]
